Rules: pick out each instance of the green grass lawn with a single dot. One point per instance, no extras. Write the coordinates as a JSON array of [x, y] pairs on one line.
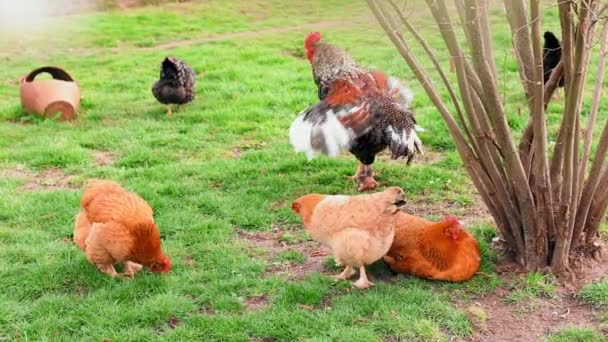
[[219, 167]]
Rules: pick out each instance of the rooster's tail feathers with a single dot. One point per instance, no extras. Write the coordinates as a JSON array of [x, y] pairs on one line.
[[404, 143], [328, 137], [404, 95]]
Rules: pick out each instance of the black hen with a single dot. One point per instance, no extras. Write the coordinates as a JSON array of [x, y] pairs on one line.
[[176, 83], [552, 54]]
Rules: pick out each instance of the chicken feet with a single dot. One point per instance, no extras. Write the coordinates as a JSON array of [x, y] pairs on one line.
[[346, 274], [363, 282], [169, 110], [365, 178], [108, 269], [130, 269]]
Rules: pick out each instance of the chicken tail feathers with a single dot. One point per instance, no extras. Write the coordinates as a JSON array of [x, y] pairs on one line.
[[399, 92], [403, 143], [175, 70], [327, 129], [400, 132]]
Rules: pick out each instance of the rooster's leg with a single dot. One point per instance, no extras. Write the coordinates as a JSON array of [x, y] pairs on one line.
[[169, 110], [365, 178], [355, 177], [130, 269], [108, 269], [363, 282], [346, 274]]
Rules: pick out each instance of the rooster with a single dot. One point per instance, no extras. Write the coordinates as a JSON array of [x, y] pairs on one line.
[[358, 229], [176, 84], [116, 226], [433, 250], [359, 110], [552, 54]]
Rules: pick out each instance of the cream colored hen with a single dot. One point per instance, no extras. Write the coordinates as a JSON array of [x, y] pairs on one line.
[[358, 229]]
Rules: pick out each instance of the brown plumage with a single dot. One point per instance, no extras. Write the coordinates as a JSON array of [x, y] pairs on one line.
[[117, 226], [433, 250], [360, 110], [176, 84], [358, 229]]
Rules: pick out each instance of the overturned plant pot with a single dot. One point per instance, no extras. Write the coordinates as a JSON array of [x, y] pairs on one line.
[[59, 95]]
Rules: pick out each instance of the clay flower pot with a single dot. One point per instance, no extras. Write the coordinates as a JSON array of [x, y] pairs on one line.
[[49, 97]]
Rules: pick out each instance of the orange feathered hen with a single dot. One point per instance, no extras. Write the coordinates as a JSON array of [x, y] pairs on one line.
[[433, 250], [117, 226], [358, 229]]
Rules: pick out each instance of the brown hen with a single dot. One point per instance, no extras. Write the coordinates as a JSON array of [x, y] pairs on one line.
[[433, 250], [117, 226]]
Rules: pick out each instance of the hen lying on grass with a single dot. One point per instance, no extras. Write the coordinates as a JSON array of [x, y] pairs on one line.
[[433, 250]]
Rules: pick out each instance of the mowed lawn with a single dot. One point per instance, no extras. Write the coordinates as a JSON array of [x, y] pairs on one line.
[[220, 175]]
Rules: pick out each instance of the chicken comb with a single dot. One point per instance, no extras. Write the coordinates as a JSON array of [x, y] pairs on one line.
[[452, 220], [311, 39]]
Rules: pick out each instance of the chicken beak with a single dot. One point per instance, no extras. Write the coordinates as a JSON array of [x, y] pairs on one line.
[[400, 200], [400, 203]]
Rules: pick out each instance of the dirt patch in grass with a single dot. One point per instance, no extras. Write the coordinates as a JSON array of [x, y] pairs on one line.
[[273, 243], [495, 319], [588, 270], [256, 302], [475, 213], [429, 157], [103, 158], [49, 180], [506, 315], [171, 323]]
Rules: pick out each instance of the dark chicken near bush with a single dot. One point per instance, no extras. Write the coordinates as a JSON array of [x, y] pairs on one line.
[[552, 54], [359, 110], [176, 84]]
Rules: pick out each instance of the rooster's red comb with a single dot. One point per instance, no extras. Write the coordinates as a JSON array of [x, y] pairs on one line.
[[311, 39]]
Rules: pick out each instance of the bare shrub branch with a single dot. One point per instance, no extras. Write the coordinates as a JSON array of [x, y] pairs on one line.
[[542, 203]]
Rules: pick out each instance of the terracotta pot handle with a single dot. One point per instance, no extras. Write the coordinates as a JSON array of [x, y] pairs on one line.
[[57, 73]]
